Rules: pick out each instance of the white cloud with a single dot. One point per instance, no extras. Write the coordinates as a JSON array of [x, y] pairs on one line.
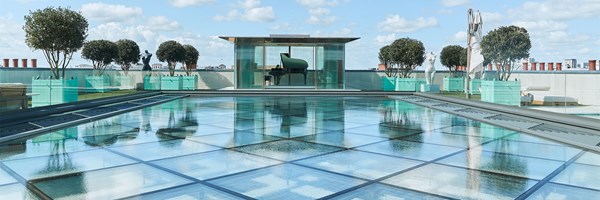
[[12, 40], [186, 3], [397, 24], [491, 17], [320, 16], [450, 3], [342, 32], [231, 15], [460, 36], [385, 39], [252, 12], [110, 13], [556, 10], [162, 23], [260, 14], [541, 26], [317, 3]]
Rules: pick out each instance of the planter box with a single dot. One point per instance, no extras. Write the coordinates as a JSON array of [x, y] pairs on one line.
[[474, 86], [409, 84], [454, 84], [97, 83], [124, 82], [501, 92], [189, 82], [51, 92], [151, 82], [388, 83], [171, 83]]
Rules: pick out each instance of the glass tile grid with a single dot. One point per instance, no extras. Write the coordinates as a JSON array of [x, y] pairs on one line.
[[461, 183], [287, 181], [412, 150], [288, 150], [164, 149], [215, 164], [324, 142], [65, 163], [382, 191], [109, 183], [16, 191], [359, 164], [526, 167]]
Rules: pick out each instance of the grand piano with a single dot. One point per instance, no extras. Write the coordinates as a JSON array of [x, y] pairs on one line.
[[292, 65]]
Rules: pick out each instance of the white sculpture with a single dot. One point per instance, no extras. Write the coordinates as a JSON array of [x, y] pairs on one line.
[[475, 67], [430, 70]]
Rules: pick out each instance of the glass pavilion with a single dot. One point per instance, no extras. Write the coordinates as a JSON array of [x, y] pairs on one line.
[[256, 57]]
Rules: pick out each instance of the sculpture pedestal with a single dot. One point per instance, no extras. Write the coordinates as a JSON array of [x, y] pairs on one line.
[[432, 88]]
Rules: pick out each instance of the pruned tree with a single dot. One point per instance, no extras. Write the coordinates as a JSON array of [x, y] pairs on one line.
[[407, 54], [191, 58], [453, 56], [171, 52], [58, 32], [101, 53], [505, 46], [129, 54]]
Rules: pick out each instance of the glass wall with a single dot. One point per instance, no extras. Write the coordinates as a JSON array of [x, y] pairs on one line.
[[249, 66], [260, 66], [330, 66]]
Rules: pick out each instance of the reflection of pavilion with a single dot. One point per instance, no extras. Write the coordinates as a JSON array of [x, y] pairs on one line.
[[255, 57]]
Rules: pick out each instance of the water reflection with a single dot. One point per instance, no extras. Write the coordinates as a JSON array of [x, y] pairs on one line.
[[107, 133], [398, 120]]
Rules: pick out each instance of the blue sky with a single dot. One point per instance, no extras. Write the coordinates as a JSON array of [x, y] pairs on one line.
[[559, 29]]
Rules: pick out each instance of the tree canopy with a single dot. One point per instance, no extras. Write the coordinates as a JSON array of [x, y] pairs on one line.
[[505, 46], [171, 52], [453, 56], [385, 59], [58, 32], [191, 57], [406, 54], [101, 53], [128, 54]]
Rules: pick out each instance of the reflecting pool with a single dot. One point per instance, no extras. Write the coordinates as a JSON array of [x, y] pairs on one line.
[[293, 148]]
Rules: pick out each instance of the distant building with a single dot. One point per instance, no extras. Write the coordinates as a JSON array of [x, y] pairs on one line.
[[158, 66], [218, 67], [381, 67], [570, 63], [83, 66]]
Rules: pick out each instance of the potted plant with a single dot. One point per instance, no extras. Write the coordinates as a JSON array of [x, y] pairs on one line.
[[503, 47], [388, 83], [101, 53], [407, 54], [190, 82], [171, 52], [128, 55], [453, 56], [58, 32]]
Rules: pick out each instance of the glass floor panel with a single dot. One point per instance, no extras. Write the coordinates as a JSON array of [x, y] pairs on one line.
[[278, 147], [564, 192], [359, 164], [461, 183], [164, 149], [194, 191], [287, 181], [527, 167], [109, 183], [59, 164], [16, 191], [408, 149], [381, 191], [214, 164]]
